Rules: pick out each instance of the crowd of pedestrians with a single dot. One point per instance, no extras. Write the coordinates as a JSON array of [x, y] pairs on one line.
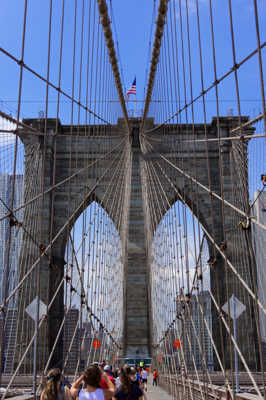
[[99, 382]]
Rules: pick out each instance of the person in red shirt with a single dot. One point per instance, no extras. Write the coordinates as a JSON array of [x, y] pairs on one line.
[[155, 377], [107, 371]]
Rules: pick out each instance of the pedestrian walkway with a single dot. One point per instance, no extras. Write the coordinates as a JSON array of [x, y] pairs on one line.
[[157, 393]]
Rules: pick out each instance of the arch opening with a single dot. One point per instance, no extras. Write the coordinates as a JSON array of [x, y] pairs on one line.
[[93, 290], [180, 291]]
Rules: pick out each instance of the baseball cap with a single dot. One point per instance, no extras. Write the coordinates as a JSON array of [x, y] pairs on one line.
[[107, 368]]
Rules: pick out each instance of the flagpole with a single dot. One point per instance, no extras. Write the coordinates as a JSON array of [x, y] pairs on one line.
[[135, 108]]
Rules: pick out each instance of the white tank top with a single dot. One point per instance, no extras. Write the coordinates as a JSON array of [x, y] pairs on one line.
[[96, 395], [144, 374]]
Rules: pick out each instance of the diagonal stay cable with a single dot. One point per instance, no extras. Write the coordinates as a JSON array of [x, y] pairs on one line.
[[210, 335], [236, 346], [60, 231], [52, 85], [212, 193], [18, 123], [65, 180], [81, 295], [214, 84], [244, 284], [102, 201]]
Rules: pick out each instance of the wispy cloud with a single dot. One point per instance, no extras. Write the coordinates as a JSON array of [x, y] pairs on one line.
[[6, 139], [191, 5]]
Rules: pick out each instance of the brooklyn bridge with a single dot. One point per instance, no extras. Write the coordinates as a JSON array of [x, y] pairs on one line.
[[134, 236]]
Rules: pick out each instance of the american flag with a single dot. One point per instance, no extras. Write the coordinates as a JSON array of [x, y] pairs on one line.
[[132, 89]]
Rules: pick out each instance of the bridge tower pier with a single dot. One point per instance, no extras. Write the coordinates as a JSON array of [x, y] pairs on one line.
[[138, 338]]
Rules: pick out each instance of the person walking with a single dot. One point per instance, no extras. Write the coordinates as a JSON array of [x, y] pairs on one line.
[[128, 389], [54, 388], [117, 379], [134, 378], [144, 379], [92, 379], [138, 376], [108, 371], [155, 377]]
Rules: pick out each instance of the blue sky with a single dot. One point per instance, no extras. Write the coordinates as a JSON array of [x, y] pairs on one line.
[[133, 20]]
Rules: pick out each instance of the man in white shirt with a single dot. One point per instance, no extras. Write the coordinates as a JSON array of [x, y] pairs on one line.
[[144, 378]]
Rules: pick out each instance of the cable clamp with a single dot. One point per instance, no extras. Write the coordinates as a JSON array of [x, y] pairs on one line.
[[212, 261], [72, 289], [187, 297], [263, 179], [245, 225], [21, 63], [223, 246], [179, 316], [13, 221], [42, 247], [3, 309], [236, 66], [199, 276]]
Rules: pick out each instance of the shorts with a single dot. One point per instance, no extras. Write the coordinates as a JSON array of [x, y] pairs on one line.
[[144, 380]]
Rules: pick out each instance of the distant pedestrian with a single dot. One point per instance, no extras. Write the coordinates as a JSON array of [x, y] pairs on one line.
[[117, 380], [144, 379], [54, 388], [134, 378], [109, 373], [154, 377]]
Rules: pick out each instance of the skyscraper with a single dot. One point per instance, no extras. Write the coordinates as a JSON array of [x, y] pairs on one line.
[[71, 340], [9, 340], [198, 335], [16, 232], [6, 181]]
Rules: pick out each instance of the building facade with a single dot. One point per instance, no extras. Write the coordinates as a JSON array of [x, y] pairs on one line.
[[6, 182], [71, 340], [197, 341], [9, 340]]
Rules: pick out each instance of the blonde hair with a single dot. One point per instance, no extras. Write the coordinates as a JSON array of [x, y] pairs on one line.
[[52, 385]]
